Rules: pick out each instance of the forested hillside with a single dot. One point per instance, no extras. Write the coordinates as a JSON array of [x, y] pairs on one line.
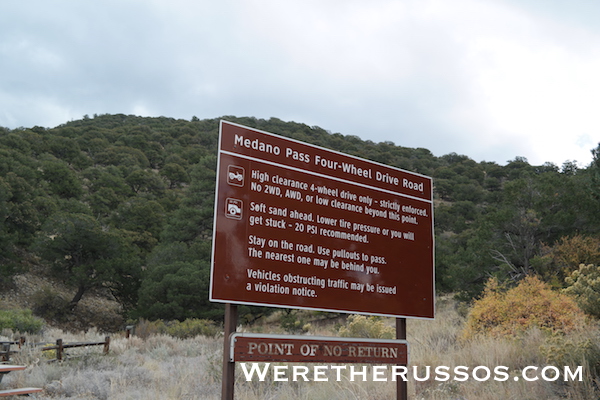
[[126, 203]]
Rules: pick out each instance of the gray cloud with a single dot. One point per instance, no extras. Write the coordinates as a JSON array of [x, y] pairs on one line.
[[459, 78]]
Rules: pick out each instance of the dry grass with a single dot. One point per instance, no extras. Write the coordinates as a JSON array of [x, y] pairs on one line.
[[163, 367]]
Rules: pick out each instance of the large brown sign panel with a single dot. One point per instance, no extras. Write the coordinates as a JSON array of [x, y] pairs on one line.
[[301, 226]]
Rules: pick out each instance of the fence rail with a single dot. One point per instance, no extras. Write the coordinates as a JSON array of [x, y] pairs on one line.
[[60, 346], [5, 350]]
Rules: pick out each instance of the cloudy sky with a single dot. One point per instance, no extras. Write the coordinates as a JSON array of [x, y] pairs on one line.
[[490, 79]]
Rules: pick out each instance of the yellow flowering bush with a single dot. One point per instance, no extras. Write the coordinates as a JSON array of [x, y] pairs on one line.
[[530, 304]]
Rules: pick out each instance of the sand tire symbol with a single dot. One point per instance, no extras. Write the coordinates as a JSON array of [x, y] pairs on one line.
[[233, 208]]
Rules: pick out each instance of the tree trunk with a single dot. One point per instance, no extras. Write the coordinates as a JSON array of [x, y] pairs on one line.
[[80, 291]]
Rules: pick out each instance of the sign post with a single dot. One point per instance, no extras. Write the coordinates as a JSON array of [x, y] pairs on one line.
[[301, 226], [401, 384], [230, 325]]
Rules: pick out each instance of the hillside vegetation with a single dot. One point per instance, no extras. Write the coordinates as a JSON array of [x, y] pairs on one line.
[[124, 204], [152, 365]]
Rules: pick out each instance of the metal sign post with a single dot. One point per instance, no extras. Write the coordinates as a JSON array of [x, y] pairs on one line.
[[401, 384], [230, 326]]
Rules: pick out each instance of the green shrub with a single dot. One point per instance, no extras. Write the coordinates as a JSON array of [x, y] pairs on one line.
[[192, 327], [561, 350], [530, 304], [293, 322], [582, 349], [50, 305], [368, 327], [22, 321], [558, 261], [188, 328], [144, 328], [584, 286]]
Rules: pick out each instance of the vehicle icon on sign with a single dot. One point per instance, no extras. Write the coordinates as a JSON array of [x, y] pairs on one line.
[[235, 175], [233, 208]]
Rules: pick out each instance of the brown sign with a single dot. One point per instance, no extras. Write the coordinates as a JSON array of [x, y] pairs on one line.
[[301, 226], [247, 347]]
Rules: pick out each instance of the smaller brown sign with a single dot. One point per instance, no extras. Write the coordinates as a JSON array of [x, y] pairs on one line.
[[323, 349]]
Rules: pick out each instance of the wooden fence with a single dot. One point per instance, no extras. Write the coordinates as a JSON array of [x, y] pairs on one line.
[[60, 346], [5, 350]]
